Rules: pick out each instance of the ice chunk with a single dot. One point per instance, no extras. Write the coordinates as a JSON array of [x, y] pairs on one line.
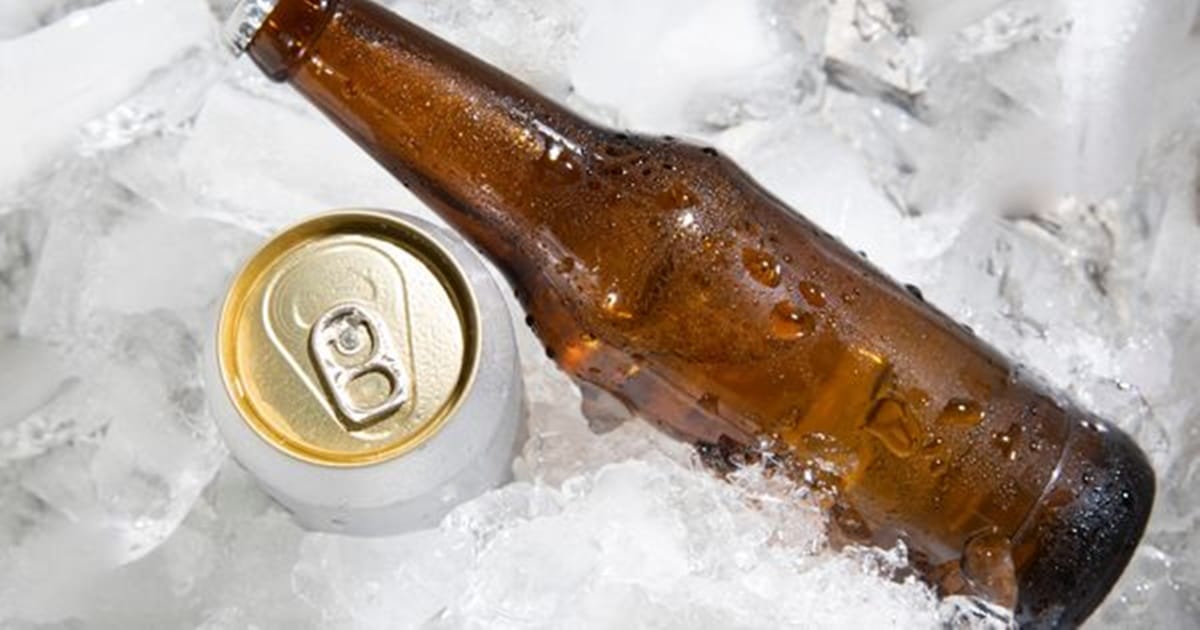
[[295, 166], [670, 65], [532, 39], [111, 252], [114, 444], [96, 64], [113, 463], [21, 232], [1111, 63], [785, 154], [935, 20], [32, 375], [125, 283], [16, 18]]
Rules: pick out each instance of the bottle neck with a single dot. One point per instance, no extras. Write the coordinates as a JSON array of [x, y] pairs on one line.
[[481, 148]]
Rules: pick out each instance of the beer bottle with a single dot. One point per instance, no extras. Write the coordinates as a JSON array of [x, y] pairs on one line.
[[659, 272]]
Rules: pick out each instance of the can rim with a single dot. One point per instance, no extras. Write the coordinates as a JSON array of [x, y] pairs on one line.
[[452, 277]]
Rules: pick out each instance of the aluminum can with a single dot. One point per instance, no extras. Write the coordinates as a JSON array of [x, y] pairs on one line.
[[368, 373]]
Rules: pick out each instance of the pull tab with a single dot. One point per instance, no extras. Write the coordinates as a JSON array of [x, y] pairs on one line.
[[340, 337]]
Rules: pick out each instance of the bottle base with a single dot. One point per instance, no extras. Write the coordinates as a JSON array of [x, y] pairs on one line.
[[1085, 529]]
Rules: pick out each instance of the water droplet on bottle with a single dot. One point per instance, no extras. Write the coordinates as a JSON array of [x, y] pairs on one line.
[[789, 322], [962, 412], [762, 267], [676, 197], [915, 291], [709, 403], [613, 306], [1007, 441], [558, 164], [892, 424], [812, 294], [790, 420], [987, 562]]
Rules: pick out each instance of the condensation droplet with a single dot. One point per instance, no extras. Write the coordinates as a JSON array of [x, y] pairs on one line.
[[560, 165], [892, 424], [812, 294], [676, 197], [1007, 441], [613, 306], [762, 267], [789, 322], [962, 413]]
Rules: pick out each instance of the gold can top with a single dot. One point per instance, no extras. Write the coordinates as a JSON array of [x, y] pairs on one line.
[[348, 339]]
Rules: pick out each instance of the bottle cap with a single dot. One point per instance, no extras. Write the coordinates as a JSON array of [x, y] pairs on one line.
[[243, 23]]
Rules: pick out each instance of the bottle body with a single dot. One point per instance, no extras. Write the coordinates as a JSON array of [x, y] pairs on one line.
[[660, 272]]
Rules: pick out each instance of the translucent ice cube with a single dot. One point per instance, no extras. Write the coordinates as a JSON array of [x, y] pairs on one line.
[[673, 65], [95, 65]]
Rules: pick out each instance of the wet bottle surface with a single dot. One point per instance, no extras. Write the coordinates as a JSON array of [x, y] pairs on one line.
[[659, 272]]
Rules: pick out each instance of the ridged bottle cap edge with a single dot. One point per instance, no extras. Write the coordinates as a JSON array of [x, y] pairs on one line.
[[244, 23]]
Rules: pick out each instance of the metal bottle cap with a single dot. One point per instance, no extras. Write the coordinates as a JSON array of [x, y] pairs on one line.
[[247, 17], [349, 339]]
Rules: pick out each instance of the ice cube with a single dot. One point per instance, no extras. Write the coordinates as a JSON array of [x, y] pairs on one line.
[[115, 461], [531, 39], [296, 166], [1111, 62], [95, 64], [32, 374], [668, 66], [21, 232], [113, 443]]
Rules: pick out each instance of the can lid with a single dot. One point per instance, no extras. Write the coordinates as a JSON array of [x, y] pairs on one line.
[[348, 339]]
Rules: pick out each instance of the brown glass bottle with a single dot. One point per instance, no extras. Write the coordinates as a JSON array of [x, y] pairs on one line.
[[660, 272]]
